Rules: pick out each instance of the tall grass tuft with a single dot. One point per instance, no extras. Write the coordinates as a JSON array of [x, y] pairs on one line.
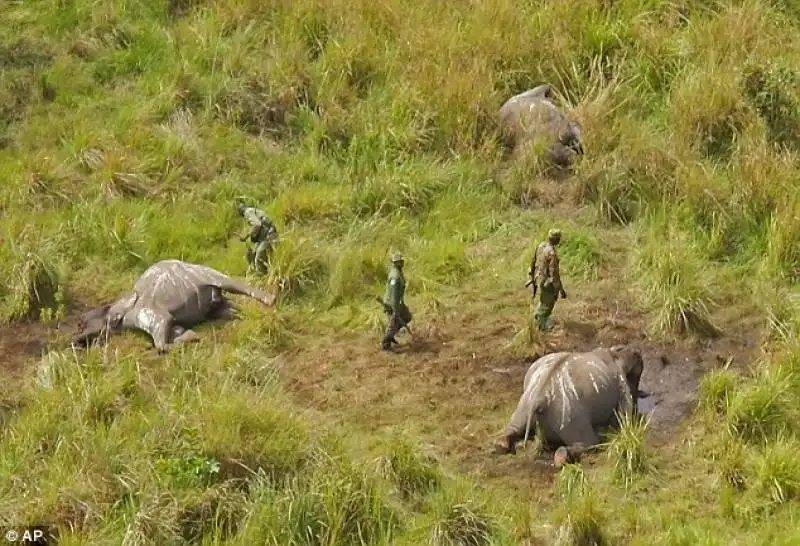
[[762, 409], [413, 473], [583, 255], [462, 524], [296, 265], [716, 388], [673, 281], [34, 286], [338, 504], [355, 273], [578, 517], [153, 521], [627, 449], [775, 472]]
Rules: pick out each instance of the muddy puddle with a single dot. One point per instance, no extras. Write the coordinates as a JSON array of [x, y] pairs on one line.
[[646, 405]]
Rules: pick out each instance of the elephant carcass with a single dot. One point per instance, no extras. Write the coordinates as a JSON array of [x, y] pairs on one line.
[[573, 395], [168, 299], [533, 115]]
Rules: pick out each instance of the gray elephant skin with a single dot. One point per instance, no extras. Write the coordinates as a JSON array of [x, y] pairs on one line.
[[168, 299], [533, 115], [571, 395]]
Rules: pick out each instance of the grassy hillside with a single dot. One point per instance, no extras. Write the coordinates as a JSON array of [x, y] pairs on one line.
[[364, 128]]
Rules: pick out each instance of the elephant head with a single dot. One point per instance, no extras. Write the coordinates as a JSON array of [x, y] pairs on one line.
[[573, 137], [102, 321], [91, 326], [543, 91], [631, 364]]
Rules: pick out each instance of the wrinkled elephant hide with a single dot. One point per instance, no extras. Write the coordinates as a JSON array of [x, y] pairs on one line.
[[168, 299], [532, 116]]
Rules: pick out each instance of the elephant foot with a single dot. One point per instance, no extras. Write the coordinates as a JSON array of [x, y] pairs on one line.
[[187, 336], [509, 446], [561, 457]]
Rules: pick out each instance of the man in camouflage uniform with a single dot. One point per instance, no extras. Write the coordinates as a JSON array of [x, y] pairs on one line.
[[393, 302], [262, 234], [545, 276]]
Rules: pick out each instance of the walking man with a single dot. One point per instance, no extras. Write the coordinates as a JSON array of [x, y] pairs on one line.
[[263, 234], [394, 304], [545, 276]]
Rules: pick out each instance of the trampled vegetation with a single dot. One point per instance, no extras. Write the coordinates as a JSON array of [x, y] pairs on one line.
[[127, 129]]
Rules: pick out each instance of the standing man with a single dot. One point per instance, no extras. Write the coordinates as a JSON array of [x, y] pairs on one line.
[[393, 302], [545, 276], [263, 234]]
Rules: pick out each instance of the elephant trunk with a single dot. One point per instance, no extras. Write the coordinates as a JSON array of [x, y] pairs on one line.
[[91, 326], [102, 322]]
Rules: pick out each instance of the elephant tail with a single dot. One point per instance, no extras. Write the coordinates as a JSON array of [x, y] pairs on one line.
[[538, 387]]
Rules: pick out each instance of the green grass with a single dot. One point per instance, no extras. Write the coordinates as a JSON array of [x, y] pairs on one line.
[[366, 128]]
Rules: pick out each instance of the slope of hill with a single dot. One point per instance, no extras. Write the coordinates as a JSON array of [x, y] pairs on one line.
[[363, 128]]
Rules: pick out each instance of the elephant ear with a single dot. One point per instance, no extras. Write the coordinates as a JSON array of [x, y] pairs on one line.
[[544, 90], [625, 356]]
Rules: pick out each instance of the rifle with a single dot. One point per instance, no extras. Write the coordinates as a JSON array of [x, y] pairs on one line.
[[388, 310], [530, 282]]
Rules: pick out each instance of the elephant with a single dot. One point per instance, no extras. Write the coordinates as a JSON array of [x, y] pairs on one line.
[[534, 115], [168, 299], [571, 395]]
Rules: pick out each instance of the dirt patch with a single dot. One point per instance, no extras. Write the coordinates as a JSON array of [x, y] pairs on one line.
[[24, 342], [19, 343], [458, 381], [672, 370]]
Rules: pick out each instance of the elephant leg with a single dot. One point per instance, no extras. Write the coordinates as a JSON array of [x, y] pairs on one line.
[[579, 437], [165, 331], [160, 327], [236, 287], [216, 297], [219, 305], [183, 335], [222, 311], [517, 428], [509, 443]]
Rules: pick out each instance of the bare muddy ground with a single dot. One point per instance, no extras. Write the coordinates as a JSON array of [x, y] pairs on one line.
[[457, 381]]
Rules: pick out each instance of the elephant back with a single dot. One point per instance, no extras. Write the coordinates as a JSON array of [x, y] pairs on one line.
[[532, 118], [590, 373], [171, 284]]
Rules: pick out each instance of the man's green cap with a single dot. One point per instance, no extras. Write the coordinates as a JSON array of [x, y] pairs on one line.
[[554, 234], [397, 258]]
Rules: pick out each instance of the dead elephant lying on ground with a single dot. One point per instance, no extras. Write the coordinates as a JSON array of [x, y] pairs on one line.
[[572, 395], [170, 297], [533, 116]]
